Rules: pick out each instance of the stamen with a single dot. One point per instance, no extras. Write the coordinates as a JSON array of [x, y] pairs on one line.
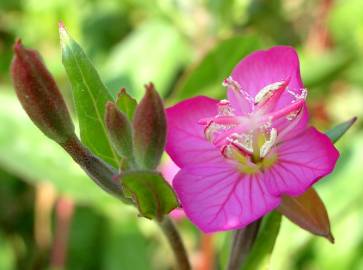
[[266, 147], [302, 95], [224, 108], [297, 106], [230, 83], [291, 125], [291, 116], [219, 125], [230, 152], [233, 85], [210, 130], [268, 91], [242, 141]]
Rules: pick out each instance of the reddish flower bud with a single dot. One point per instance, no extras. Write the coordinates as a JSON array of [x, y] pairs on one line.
[[119, 131], [149, 129], [39, 94]]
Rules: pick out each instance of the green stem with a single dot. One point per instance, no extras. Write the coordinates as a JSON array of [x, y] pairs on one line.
[[242, 243], [100, 172], [104, 176], [175, 243]]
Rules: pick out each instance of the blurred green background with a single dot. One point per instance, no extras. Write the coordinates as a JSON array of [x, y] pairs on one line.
[[186, 47]]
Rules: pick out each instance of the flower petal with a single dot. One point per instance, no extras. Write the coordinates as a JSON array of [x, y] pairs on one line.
[[302, 161], [288, 129], [169, 169], [186, 143], [261, 68], [216, 197]]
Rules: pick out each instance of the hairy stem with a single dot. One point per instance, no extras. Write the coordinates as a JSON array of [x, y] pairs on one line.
[[100, 172], [175, 243], [242, 243], [104, 176]]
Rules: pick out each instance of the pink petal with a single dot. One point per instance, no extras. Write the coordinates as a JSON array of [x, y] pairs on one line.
[[265, 67], [302, 161], [186, 143], [177, 214], [216, 197], [169, 169]]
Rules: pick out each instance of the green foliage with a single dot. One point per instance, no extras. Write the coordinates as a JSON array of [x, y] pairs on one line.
[[322, 69], [90, 96], [6, 253], [153, 196], [153, 52], [206, 78]]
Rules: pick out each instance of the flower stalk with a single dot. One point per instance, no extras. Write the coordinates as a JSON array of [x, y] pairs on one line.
[[100, 172], [175, 243], [243, 241]]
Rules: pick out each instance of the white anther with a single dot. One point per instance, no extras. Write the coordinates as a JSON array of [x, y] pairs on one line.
[[243, 141], [224, 108], [291, 116], [213, 128], [224, 102], [229, 82], [267, 125], [267, 91], [302, 95], [234, 85], [266, 147]]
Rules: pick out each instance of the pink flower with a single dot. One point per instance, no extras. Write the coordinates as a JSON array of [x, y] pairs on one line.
[[239, 156], [169, 169]]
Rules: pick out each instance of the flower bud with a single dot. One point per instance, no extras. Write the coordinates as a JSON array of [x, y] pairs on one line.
[[149, 129], [119, 131], [39, 94]]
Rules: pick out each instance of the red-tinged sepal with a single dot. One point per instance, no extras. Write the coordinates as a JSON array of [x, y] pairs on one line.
[[39, 94], [149, 129], [307, 211], [126, 103]]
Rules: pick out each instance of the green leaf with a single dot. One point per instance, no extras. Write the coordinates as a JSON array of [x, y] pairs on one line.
[[323, 69], [90, 96], [125, 246], [338, 131], [126, 103], [207, 77], [152, 195], [7, 253], [264, 244]]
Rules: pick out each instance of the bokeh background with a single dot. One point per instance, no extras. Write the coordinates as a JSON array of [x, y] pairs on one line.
[[51, 215]]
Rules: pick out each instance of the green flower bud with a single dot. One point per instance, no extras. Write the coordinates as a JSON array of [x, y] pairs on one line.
[[119, 131]]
